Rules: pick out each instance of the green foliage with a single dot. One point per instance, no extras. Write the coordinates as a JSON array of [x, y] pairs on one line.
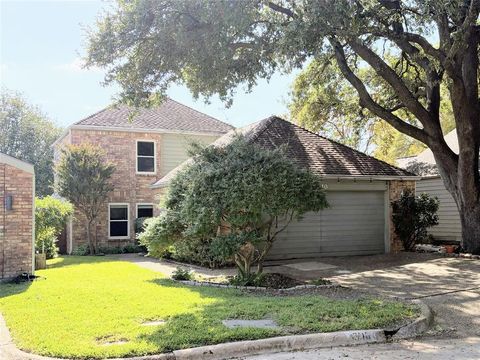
[[182, 274], [159, 233], [323, 101], [233, 198], [140, 225], [45, 242], [81, 250], [51, 215], [52, 212], [412, 216], [28, 134], [84, 179]]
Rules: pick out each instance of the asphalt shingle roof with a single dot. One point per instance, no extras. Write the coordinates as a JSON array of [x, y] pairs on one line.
[[314, 152], [169, 116]]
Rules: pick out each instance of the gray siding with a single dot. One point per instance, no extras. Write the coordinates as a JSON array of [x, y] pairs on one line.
[[449, 227], [353, 225], [175, 149]]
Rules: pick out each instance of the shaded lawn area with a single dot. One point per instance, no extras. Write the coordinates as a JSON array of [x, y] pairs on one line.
[[93, 307]]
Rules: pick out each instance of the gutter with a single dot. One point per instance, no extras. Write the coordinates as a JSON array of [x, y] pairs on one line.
[[371, 177], [334, 177]]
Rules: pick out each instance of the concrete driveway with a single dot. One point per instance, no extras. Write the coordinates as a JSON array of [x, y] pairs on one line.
[[450, 286]]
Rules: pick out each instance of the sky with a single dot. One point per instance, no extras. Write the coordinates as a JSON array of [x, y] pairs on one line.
[[41, 45]]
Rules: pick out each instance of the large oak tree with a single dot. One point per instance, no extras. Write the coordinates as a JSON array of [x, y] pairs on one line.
[[213, 45]]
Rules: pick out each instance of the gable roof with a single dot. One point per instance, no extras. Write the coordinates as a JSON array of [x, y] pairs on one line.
[[17, 163], [322, 156], [169, 116]]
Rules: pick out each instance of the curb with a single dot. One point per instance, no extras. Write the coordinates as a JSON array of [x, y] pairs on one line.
[[8, 350], [419, 326], [280, 344]]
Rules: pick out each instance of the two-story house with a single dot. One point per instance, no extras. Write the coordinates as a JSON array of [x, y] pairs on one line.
[[144, 145]]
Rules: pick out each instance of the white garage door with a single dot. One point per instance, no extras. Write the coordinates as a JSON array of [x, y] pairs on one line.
[[353, 225]]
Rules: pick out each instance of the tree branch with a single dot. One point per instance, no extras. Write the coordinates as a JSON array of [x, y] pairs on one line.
[[390, 76], [281, 9], [369, 103]]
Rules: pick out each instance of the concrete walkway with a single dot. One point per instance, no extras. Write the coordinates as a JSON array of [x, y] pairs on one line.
[[168, 267]]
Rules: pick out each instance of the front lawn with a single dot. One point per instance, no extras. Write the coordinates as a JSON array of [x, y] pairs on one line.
[[92, 307]]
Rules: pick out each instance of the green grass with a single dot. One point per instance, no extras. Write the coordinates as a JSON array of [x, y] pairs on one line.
[[85, 302]]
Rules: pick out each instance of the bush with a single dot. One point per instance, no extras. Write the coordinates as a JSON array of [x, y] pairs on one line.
[[412, 216], [140, 225], [45, 242], [182, 274], [51, 215], [159, 233], [81, 250], [196, 251]]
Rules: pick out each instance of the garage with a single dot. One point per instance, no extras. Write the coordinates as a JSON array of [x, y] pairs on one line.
[[359, 190], [353, 225]]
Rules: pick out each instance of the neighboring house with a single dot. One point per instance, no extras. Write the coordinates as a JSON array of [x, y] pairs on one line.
[[360, 190], [144, 145], [449, 227], [17, 218]]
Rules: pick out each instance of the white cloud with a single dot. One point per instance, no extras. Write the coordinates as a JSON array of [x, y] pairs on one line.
[[76, 66]]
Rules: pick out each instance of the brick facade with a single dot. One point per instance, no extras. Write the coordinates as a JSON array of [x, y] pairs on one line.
[[396, 187], [130, 187], [16, 225]]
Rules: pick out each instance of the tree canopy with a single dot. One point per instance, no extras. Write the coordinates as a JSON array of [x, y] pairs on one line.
[[323, 101], [239, 197], [28, 134], [212, 46], [84, 178]]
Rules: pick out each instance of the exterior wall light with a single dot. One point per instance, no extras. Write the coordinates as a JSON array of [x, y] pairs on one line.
[[9, 202]]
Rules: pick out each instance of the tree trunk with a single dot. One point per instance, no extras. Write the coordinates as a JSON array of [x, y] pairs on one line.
[[95, 246], [470, 219], [89, 239]]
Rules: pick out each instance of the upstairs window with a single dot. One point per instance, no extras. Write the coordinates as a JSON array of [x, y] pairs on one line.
[[118, 223], [146, 157], [144, 210]]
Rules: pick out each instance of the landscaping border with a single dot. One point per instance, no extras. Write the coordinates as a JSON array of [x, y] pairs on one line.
[[258, 347], [261, 288]]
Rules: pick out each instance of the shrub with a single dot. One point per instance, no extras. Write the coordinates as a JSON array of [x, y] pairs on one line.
[[51, 215], [81, 250], [159, 233], [182, 274], [140, 225], [45, 242], [196, 251], [240, 191], [412, 216]]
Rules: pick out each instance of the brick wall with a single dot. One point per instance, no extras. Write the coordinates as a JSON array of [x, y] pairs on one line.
[[129, 187], [16, 225], [396, 188]]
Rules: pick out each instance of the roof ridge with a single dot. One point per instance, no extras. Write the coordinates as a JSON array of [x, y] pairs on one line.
[[263, 126], [92, 115], [201, 113], [345, 146]]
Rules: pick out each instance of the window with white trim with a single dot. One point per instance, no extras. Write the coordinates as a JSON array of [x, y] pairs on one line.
[[118, 222], [144, 210], [146, 157]]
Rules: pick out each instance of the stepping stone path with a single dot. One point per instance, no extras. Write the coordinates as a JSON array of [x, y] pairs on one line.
[[154, 323], [262, 324]]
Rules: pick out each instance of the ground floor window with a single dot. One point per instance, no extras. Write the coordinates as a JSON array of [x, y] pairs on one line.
[[144, 210], [118, 222]]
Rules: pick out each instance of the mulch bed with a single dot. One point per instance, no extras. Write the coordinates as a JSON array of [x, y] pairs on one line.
[[279, 281]]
